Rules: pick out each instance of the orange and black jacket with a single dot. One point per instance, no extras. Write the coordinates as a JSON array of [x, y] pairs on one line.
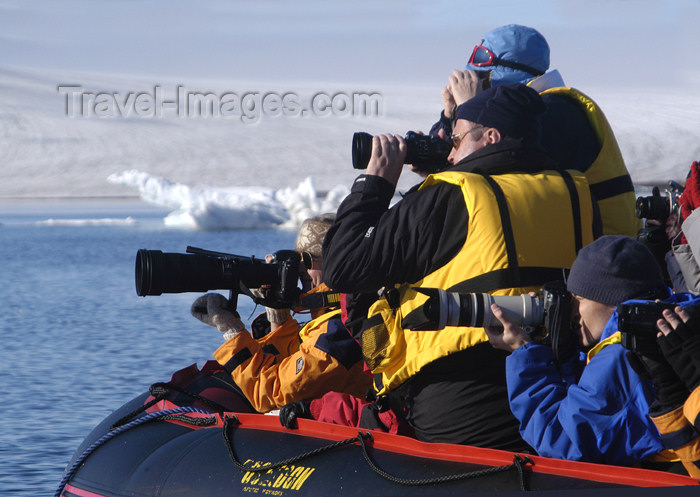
[[680, 432], [295, 363]]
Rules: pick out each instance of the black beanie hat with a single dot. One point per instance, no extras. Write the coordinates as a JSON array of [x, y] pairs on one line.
[[613, 269], [512, 108]]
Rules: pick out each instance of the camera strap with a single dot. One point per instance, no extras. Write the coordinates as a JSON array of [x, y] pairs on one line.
[[502, 278], [320, 300]]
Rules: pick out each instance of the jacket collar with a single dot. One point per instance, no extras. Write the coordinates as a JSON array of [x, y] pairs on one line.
[[507, 156]]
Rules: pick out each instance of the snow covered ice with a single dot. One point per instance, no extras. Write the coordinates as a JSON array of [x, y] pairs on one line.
[[274, 171], [232, 207], [215, 173]]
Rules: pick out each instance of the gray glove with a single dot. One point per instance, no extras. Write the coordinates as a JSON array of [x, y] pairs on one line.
[[215, 310], [278, 316]]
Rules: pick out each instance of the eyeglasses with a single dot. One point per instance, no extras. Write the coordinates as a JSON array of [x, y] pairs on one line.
[[483, 57], [457, 138]]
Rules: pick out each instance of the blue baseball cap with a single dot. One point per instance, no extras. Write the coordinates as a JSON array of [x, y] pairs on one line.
[[513, 54]]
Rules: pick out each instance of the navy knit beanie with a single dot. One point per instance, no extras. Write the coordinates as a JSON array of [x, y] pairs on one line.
[[613, 269], [513, 109]]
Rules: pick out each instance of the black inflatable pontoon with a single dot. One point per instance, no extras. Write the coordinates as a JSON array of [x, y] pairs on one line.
[[196, 436]]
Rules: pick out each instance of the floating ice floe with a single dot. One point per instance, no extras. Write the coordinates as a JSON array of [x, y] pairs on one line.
[[209, 207]]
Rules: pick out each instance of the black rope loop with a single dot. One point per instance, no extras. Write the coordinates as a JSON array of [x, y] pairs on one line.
[[228, 440], [124, 420], [518, 463]]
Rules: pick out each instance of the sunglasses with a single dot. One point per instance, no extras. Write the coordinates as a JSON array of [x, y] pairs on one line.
[[457, 138], [483, 57]]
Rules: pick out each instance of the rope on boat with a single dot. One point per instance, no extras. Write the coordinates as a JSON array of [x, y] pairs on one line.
[[169, 414], [160, 391], [228, 440], [518, 461]]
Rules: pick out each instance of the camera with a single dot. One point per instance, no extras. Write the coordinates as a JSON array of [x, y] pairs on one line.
[[202, 270], [546, 317], [659, 207], [637, 323], [426, 153]]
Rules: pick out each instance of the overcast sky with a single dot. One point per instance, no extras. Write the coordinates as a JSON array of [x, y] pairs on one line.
[[593, 42]]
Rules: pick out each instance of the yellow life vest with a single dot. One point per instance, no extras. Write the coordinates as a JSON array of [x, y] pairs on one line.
[[608, 177], [523, 229]]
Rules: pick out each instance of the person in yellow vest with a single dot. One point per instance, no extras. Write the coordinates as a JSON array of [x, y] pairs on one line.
[[281, 361], [502, 219], [595, 405], [574, 129]]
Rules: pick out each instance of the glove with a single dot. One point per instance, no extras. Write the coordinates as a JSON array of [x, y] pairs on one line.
[[690, 199], [273, 315], [215, 310], [277, 315], [670, 390], [681, 348], [289, 413]]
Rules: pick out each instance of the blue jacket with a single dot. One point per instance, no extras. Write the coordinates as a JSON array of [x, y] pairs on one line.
[[595, 412]]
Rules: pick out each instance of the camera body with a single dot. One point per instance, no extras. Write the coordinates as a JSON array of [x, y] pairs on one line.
[[426, 153], [202, 270], [659, 207], [637, 323]]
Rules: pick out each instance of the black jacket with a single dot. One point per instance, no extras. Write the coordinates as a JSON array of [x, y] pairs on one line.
[[370, 245], [461, 398]]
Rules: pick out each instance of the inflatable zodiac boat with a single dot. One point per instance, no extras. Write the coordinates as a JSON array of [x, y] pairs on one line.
[[196, 435]]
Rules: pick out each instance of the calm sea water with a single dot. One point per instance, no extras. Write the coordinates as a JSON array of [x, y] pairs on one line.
[[76, 342]]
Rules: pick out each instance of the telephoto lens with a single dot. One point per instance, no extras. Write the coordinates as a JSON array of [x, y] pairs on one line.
[[426, 153], [445, 308], [474, 309]]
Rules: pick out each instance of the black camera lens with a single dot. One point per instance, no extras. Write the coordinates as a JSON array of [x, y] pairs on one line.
[[426, 153], [653, 207], [361, 149]]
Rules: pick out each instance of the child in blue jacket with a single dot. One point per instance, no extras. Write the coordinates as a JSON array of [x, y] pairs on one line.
[[593, 407]]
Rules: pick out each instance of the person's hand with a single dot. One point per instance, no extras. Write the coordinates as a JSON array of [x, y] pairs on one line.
[[464, 85], [690, 199], [650, 362], [680, 343], [448, 102], [276, 317], [672, 320], [510, 338], [672, 227], [388, 154], [215, 310], [289, 413]]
